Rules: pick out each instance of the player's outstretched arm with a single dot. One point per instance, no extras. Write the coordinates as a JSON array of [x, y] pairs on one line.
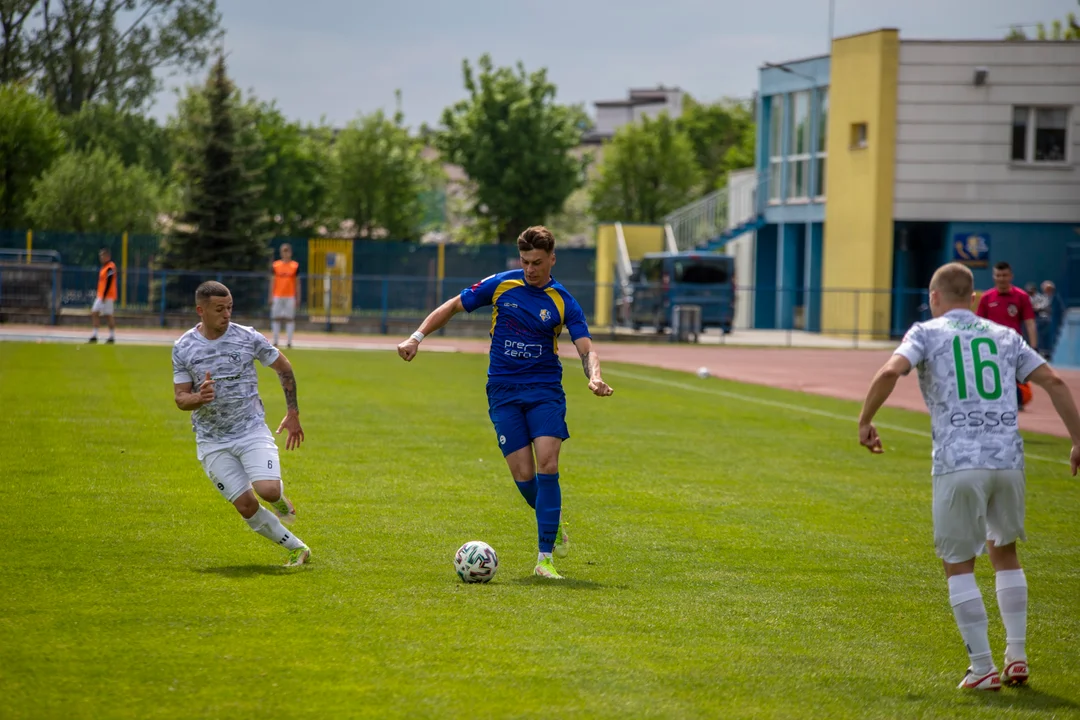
[[881, 388], [187, 400], [432, 323], [590, 363], [1045, 377], [291, 423]]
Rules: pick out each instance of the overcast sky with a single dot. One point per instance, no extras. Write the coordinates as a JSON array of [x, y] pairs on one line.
[[338, 58]]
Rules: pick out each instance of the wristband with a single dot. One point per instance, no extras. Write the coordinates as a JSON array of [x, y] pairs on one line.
[[417, 336]]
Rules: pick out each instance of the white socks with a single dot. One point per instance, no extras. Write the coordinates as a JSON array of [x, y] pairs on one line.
[[1012, 596], [289, 327], [970, 613], [266, 524], [540, 557], [275, 327]]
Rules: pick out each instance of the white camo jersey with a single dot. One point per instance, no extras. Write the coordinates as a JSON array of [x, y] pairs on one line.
[[968, 369], [237, 409]]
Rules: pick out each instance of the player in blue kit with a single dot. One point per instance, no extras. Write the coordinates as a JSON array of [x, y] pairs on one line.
[[526, 402]]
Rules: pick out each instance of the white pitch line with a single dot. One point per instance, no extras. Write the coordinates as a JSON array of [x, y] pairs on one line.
[[789, 406]]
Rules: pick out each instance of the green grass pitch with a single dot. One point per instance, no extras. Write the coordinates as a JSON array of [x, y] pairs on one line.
[[731, 558]]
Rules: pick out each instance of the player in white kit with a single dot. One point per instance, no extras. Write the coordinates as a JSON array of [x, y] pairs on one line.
[[214, 377], [967, 367]]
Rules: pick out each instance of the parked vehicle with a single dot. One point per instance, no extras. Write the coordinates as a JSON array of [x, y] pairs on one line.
[[664, 280]]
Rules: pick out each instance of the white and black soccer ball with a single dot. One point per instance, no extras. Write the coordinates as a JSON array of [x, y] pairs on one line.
[[476, 562], [703, 373]]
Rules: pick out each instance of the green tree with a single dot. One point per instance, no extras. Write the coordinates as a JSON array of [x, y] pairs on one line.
[[513, 141], [133, 138], [222, 225], [93, 192], [382, 177], [111, 50], [298, 171], [744, 152], [1067, 29], [30, 140], [575, 220], [714, 130], [15, 50], [649, 169]]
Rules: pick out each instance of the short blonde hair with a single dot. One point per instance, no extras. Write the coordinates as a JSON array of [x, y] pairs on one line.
[[954, 281]]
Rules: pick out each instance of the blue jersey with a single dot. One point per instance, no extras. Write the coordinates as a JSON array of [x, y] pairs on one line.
[[526, 322]]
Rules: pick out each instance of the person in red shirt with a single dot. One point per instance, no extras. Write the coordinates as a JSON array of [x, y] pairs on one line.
[[1010, 306]]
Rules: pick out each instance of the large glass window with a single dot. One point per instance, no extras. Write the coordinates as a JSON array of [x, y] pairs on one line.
[[799, 159], [822, 137], [776, 146]]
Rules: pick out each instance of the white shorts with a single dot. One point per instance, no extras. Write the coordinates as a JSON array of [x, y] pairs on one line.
[[973, 506], [105, 307], [283, 308], [232, 467]]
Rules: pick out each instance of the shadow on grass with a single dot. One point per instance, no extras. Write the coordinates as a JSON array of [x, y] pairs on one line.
[[1024, 697], [246, 571], [1027, 698], [568, 583]]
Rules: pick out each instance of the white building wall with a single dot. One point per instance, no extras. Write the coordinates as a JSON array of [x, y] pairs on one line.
[[610, 119], [954, 140], [741, 188]]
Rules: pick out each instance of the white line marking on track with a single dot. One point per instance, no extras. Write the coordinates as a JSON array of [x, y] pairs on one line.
[[788, 406]]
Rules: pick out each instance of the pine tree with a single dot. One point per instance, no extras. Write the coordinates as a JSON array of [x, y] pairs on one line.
[[222, 226]]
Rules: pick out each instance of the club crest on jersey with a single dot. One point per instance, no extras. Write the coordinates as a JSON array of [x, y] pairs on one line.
[[545, 314], [235, 357]]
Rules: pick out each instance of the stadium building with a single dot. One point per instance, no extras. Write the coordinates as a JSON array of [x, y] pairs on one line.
[[889, 157]]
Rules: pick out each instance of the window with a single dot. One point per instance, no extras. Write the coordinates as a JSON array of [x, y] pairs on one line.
[[1040, 134], [776, 146], [799, 159], [703, 271], [859, 136], [822, 136]]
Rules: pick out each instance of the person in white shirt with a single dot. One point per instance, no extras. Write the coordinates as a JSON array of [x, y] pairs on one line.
[[214, 378], [967, 366]]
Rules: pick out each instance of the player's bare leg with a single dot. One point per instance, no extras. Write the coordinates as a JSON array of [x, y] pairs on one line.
[[95, 318], [112, 329], [267, 524], [1012, 597], [273, 492], [970, 613]]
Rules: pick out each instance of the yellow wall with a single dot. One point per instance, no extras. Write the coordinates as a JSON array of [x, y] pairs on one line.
[[640, 239], [858, 248]]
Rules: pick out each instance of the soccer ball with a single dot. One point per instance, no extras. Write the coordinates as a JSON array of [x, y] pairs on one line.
[[476, 562], [703, 373]]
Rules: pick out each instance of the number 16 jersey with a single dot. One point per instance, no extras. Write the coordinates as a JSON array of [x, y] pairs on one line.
[[968, 369]]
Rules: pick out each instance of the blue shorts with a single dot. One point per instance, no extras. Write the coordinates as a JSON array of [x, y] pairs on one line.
[[522, 413]]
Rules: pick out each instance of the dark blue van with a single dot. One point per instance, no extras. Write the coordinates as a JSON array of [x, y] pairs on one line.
[[664, 280]]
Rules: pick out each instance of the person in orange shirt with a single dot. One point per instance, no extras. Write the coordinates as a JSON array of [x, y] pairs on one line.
[[106, 296], [284, 294]]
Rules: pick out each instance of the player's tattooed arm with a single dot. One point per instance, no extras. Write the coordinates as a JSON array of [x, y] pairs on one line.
[[288, 384], [291, 423], [590, 363], [284, 369]]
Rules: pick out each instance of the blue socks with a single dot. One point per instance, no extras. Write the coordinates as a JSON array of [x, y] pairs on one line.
[[528, 491], [548, 509]]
